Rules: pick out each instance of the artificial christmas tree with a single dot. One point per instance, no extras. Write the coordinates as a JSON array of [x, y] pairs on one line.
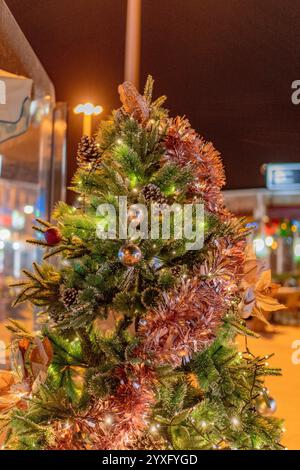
[[137, 348]]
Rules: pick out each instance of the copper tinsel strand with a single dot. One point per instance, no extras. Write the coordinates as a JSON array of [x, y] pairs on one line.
[[184, 323]]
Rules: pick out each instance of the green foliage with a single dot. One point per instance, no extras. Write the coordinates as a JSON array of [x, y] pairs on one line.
[[130, 163], [166, 279], [67, 366], [218, 408], [32, 429], [171, 178], [41, 286], [148, 90]]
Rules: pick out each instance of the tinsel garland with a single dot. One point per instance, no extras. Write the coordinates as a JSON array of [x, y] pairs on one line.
[[184, 323], [185, 147], [117, 421]]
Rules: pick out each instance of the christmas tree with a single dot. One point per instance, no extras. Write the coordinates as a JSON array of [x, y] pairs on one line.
[[137, 343]]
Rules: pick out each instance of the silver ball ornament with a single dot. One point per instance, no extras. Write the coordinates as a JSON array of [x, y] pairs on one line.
[[129, 255], [266, 407]]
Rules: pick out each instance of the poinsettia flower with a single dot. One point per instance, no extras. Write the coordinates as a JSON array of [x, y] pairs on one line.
[[258, 289], [40, 358], [12, 392]]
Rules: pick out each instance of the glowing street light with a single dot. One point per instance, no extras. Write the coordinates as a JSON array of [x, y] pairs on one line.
[[88, 110]]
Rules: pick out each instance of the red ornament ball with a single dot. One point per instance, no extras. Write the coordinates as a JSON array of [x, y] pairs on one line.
[[52, 236]]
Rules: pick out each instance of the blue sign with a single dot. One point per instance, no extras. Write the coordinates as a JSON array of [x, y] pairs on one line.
[[283, 176]]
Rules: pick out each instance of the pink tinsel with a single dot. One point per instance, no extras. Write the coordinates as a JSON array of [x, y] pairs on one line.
[[184, 323], [116, 421], [186, 148]]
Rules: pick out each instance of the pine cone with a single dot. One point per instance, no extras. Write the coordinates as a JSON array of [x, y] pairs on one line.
[[151, 296], [148, 442], [176, 271], [57, 315], [88, 152], [69, 296], [152, 193]]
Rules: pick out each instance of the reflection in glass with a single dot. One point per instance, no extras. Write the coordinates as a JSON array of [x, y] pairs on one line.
[[32, 168]]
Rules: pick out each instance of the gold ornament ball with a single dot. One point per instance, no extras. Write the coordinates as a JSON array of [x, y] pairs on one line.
[[129, 255], [266, 407]]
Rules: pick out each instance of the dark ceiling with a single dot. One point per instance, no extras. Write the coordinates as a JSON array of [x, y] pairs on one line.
[[227, 64]]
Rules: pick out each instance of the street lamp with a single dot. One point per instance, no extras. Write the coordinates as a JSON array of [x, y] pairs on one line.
[[88, 110]]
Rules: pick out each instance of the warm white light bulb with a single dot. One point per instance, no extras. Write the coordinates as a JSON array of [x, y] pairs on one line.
[[108, 420], [154, 428], [235, 421], [28, 209]]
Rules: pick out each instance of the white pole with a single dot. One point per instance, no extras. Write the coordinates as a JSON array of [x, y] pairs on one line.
[[133, 41]]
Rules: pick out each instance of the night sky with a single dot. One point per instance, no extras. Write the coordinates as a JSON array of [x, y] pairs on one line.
[[228, 65]]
